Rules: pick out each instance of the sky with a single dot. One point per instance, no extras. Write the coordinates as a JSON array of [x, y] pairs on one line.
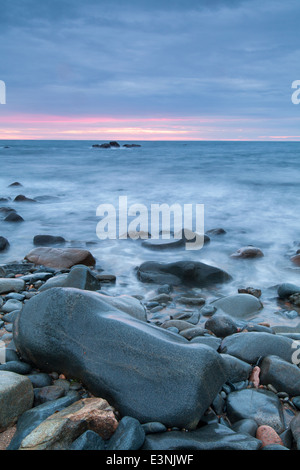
[[149, 69]]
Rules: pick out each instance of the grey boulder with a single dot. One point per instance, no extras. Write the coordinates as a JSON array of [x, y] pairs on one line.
[[146, 372], [285, 377], [240, 306]]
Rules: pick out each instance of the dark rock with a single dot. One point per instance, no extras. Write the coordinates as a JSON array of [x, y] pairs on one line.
[[250, 346], [32, 418], [13, 217], [162, 244], [221, 325], [237, 370], [152, 428], [246, 426], [131, 145], [187, 272], [296, 401], [208, 310], [210, 341], [16, 183], [216, 231], [49, 393], [114, 144], [22, 198], [295, 428], [241, 306], [40, 380], [89, 440], [165, 289], [47, 240], [80, 277], [129, 435], [57, 326], [209, 437], [248, 252], [285, 377], [287, 289], [102, 146], [4, 244], [16, 366], [261, 405], [191, 333]]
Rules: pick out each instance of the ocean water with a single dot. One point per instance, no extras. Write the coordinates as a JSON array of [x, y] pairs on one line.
[[251, 189]]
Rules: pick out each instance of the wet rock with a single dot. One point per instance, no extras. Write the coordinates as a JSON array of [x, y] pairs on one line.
[[186, 272], [35, 416], [40, 380], [89, 440], [215, 231], [296, 260], [152, 428], [16, 183], [131, 145], [4, 244], [162, 244], [46, 240], [56, 327], [295, 428], [209, 437], [59, 430], [286, 289], [130, 435], [11, 305], [16, 396], [17, 367], [60, 258], [22, 198], [261, 405], [181, 325], [237, 370], [250, 291], [80, 277], [210, 341], [246, 426], [250, 346], [221, 325], [238, 305], [191, 333], [248, 252], [49, 393], [11, 285], [197, 301], [13, 217], [268, 436], [285, 377]]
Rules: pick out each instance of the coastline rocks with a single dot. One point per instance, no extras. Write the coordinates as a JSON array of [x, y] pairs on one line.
[[261, 405], [249, 347], [153, 375], [112, 144], [247, 252], [30, 420], [59, 430], [237, 370], [131, 145], [60, 258], [4, 244], [11, 285], [16, 397], [285, 377], [187, 272], [209, 437], [22, 198], [46, 240], [16, 183], [238, 305]]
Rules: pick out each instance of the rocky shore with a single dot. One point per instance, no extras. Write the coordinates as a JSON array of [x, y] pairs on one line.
[[83, 369]]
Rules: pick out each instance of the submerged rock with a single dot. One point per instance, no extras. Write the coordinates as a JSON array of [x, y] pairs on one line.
[[186, 272], [46, 240], [248, 252], [152, 374], [4, 244]]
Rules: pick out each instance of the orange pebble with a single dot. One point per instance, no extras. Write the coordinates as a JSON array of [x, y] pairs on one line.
[[268, 436], [255, 376], [62, 376]]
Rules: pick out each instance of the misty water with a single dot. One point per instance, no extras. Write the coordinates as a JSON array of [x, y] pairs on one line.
[[251, 189]]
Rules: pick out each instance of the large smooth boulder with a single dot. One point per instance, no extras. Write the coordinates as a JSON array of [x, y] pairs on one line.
[[261, 405], [186, 272], [60, 258], [16, 397], [144, 371], [249, 347], [240, 306], [209, 437], [285, 377], [61, 429]]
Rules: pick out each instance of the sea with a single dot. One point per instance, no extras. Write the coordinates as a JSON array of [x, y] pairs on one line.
[[250, 189]]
